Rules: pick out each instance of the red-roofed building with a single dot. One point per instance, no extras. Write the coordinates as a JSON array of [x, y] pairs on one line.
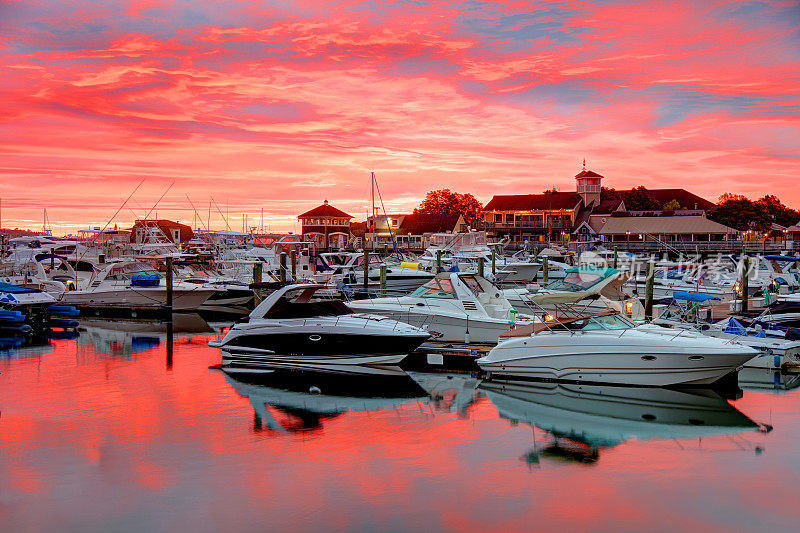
[[410, 232], [572, 215], [160, 231], [326, 226]]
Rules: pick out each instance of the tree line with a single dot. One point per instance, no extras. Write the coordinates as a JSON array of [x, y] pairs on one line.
[[733, 210]]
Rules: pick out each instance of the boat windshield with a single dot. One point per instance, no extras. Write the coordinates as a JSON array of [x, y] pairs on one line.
[[576, 281], [435, 288], [595, 323], [473, 284], [288, 307]]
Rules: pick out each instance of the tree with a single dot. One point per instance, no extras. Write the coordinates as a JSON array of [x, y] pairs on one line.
[[610, 194], [673, 205], [636, 199], [742, 214], [639, 199], [779, 213], [447, 202], [724, 197]]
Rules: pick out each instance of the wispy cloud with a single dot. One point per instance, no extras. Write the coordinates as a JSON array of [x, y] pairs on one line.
[[286, 104]]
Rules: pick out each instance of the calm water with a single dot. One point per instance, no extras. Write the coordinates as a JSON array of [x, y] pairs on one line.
[[102, 433]]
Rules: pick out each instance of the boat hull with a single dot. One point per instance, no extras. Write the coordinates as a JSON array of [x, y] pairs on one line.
[[182, 300], [446, 328], [613, 359]]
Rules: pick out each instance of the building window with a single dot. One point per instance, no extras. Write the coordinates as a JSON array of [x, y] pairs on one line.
[[498, 217]]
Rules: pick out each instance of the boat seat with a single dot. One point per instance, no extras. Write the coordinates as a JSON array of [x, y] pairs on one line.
[[526, 330]]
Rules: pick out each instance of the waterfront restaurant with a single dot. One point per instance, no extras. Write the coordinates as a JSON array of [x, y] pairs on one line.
[[327, 227]]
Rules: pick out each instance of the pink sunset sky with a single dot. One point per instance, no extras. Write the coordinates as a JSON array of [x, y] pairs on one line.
[[282, 104]]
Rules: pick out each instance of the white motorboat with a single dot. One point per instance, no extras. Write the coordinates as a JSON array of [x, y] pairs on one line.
[[401, 277], [598, 290], [134, 284], [292, 326], [778, 346], [612, 349], [682, 278], [455, 307]]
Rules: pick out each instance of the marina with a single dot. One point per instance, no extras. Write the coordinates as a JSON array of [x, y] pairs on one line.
[[399, 266], [129, 430]]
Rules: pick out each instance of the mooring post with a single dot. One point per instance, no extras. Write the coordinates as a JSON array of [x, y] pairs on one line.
[[383, 281], [438, 261], [615, 257], [366, 270], [494, 262], [745, 282], [257, 271], [480, 266], [170, 343], [545, 271], [293, 258], [282, 271], [168, 279], [648, 291]]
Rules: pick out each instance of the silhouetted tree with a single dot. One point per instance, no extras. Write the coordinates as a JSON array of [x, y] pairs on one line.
[[740, 213], [446, 202], [779, 213]]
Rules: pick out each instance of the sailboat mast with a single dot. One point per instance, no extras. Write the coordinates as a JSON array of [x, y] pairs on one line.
[[372, 187]]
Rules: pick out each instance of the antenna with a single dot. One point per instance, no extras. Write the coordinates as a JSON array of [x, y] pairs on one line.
[[157, 201]]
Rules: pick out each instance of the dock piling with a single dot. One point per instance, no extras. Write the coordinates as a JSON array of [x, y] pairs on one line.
[[293, 259], [545, 271], [282, 272], [366, 270], [480, 266], [745, 282], [383, 281], [494, 262], [168, 279], [648, 291], [438, 261], [257, 270]]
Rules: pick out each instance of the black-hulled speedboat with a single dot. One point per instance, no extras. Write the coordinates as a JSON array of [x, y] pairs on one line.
[[294, 325]]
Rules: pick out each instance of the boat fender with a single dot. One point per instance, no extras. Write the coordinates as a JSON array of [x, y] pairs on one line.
[[314, 390]]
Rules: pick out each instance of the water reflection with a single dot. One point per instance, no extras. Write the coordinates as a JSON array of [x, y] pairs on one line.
[[127, 337], [449, 393], [581, 420], [293, 401], [767, 379]]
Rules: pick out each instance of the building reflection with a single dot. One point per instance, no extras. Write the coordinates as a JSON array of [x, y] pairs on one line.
[[579, 421]]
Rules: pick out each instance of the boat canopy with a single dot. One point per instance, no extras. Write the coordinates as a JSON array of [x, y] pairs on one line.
[[16, 289], [782, 258], [597, 271], [698, 297]]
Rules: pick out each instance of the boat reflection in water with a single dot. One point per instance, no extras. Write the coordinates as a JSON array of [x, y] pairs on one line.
[[288, 400], [581, 420], [767, 379], [130, 336], [449, 393]]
